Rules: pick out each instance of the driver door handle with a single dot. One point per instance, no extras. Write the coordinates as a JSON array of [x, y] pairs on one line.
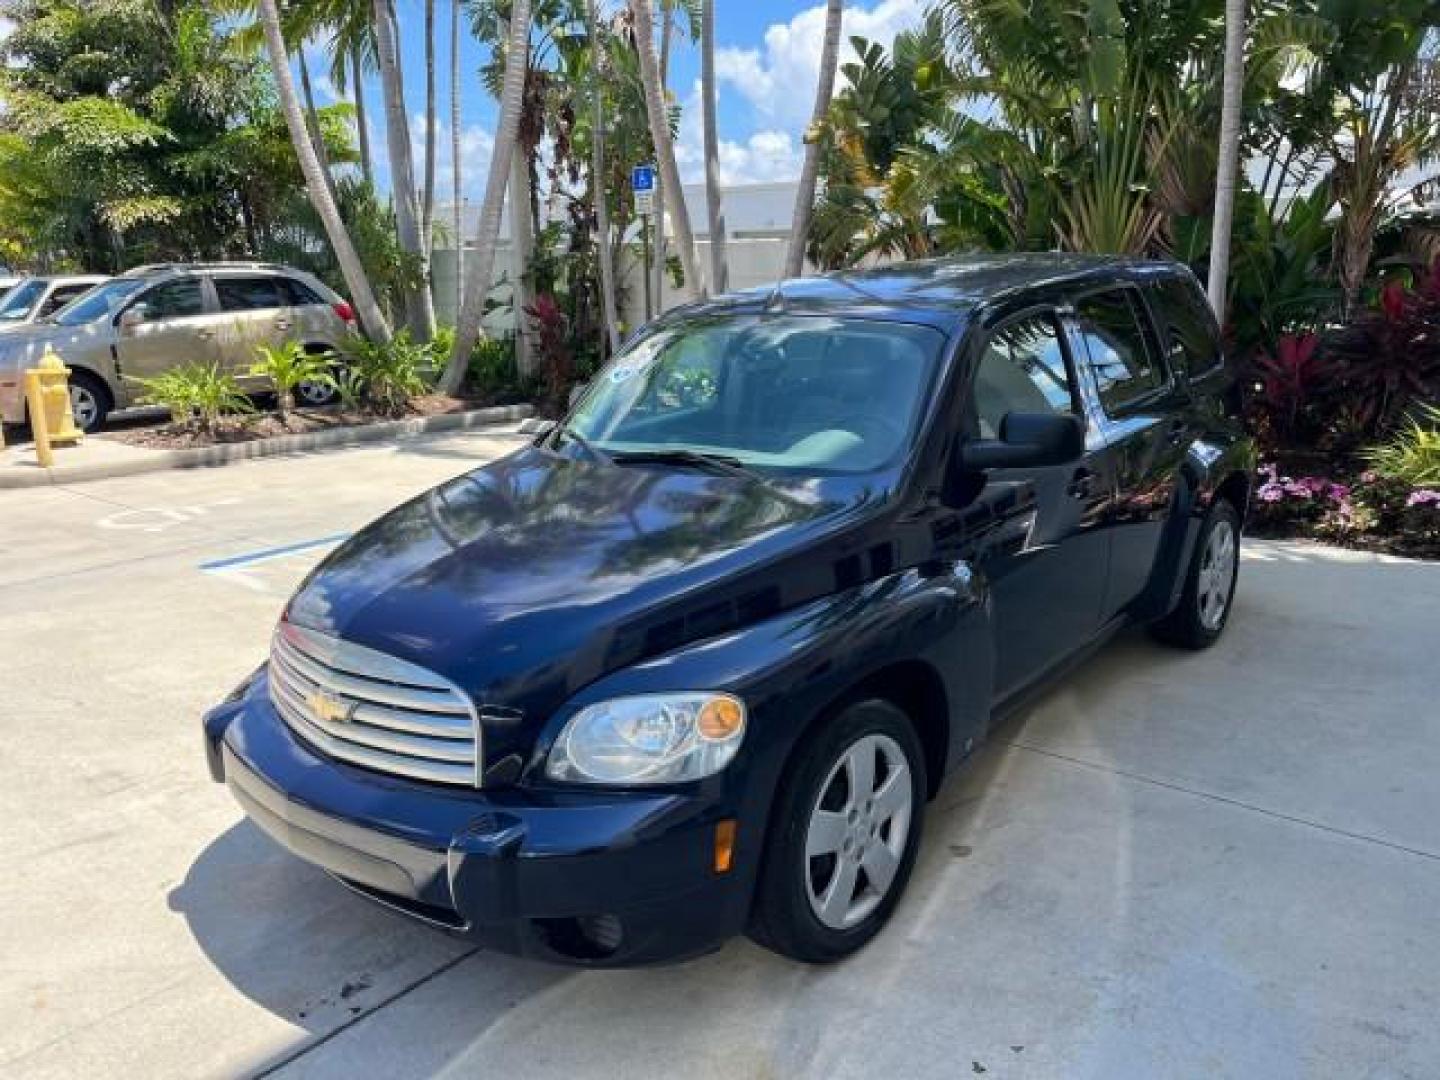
[[204, 333]]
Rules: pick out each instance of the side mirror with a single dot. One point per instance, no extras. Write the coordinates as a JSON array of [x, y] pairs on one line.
[[132, 316], [1027, 441]]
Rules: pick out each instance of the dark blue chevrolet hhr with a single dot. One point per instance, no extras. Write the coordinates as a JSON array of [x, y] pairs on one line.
[[692, 662]]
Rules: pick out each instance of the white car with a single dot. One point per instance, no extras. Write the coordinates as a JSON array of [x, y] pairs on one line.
[[33, 298]]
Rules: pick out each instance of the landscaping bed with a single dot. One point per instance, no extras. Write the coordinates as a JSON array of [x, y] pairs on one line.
[[267, 425]]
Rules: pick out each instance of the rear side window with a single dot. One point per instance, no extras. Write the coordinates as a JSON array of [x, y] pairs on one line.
[[62, 295], [1190, 335], [249, 293], [298, 294], [1126, 371], [1022, 370]]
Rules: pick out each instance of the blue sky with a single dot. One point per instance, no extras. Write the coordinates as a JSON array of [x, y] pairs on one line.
[[767, 58]]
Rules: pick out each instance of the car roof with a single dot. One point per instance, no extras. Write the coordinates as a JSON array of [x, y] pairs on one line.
[[155, 269], [938, 291]]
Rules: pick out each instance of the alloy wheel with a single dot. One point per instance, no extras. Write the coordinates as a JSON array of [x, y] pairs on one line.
[[856, 835], [1217, 575], [83, 406]]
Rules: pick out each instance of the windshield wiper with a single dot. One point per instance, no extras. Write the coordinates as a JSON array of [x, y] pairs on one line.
[[593, 452], [699, 459]]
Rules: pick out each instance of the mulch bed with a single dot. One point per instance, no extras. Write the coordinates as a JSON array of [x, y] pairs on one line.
[[268, 425]]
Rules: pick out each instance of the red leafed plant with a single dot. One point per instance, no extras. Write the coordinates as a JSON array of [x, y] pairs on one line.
[[1388, 358], [551, 328], [1289, 383]]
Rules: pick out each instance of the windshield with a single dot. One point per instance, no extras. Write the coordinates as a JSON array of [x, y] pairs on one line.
[[101, 301], [19, 300], [808, 393]]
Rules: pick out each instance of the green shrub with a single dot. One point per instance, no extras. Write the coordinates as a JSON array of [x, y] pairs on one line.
[[391, 374], [1412, 454], [197, 393], [492, 366], [289, 365]]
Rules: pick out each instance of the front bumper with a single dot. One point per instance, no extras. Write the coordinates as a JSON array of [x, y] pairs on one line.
[[593, 878]]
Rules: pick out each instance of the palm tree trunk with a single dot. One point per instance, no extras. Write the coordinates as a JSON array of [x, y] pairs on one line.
[[455, 187], [597, 180], [427, 206], [507, 127], [402, 171], [805, 192], [367, 166], [312, 120], [659, 119], [658, 270], [351, 269], [719, 271], [1228, 170]]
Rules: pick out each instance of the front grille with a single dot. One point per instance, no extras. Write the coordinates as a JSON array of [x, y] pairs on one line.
[[370, 709]]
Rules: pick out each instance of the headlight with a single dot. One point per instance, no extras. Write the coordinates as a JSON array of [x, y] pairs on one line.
[[649, 739]]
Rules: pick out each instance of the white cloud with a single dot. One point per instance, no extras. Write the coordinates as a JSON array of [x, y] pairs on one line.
[[768, 154], [779, 79], [476, 145]]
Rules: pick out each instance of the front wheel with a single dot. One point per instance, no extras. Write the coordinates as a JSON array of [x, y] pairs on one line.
[[89, 401], [844, 837], [1199, 619]]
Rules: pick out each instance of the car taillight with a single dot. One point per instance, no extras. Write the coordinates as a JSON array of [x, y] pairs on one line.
[[345, 311]]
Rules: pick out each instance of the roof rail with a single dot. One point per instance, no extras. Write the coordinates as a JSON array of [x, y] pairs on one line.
[[214, 264]]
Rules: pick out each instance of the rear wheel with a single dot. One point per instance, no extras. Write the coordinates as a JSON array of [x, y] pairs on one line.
[[844, 836], [89, 401], [1199, 619]]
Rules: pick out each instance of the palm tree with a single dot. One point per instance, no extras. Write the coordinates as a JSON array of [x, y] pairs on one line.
[[719, 271], [402, 170], [1229, 157], [805, 193], [507, 127], [316, 184], [362, 126], [455, 188], [597, 178], [659, 119], [427, 206]]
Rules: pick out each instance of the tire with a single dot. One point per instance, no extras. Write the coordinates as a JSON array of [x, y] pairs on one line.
[[1205, 602], [314, 395], [801, 907], [90, 401]]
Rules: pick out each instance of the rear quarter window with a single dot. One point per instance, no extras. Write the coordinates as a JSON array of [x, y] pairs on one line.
[[1191, 336], [1118, 342], [299, 294]]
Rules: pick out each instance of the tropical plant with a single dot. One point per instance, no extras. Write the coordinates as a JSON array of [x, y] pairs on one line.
[[809, 168], [477, 284], [357, 283], [196, 393], [658, 115], [287, 366], [391, 372], [1412, 454], [715, 214]]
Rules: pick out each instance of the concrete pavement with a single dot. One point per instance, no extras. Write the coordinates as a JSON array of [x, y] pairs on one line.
[[1224, 864]]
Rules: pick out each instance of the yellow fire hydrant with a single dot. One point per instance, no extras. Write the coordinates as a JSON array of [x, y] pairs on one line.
[[47, 390]]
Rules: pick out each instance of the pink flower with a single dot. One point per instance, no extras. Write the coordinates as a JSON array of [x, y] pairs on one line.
[[1271, 492], [1424, 497], [1339, 493]]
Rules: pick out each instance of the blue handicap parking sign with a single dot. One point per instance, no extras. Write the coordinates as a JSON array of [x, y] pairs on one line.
[[642, 178]]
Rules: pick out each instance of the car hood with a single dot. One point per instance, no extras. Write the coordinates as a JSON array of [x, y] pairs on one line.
[[529, 578]]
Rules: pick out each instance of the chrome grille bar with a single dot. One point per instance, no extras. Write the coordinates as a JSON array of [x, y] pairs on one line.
[[374, 710]]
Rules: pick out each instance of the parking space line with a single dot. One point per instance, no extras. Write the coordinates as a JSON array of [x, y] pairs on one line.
[[265, 554]]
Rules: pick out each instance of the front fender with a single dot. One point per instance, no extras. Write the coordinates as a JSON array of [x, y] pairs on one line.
[[791, 668]]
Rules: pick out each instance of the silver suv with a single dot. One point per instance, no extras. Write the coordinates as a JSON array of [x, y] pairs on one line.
[[154, 318]]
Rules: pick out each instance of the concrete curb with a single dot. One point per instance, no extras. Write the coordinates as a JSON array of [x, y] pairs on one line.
[[226, 454]]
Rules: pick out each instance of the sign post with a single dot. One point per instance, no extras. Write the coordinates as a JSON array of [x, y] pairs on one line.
[[642, 184]]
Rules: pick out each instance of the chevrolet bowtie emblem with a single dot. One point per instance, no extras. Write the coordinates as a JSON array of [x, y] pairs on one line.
[[328, 707]]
